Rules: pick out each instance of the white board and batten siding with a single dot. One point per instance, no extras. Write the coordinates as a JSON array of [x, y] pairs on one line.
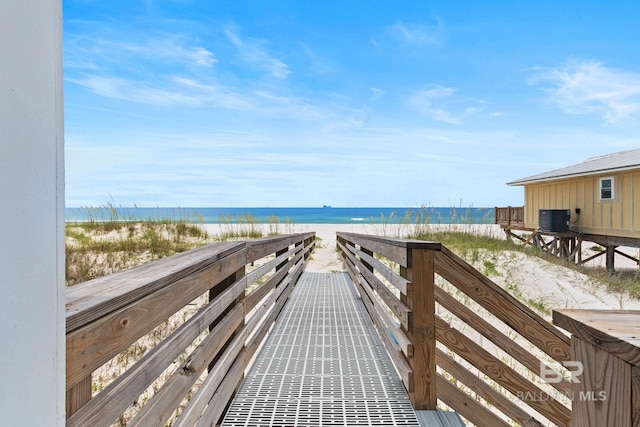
[[31, 214]]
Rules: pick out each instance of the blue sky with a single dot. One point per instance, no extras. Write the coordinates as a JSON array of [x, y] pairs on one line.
[[346, 103]]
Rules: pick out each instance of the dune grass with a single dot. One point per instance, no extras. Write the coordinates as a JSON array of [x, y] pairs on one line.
[[108, 241], [476, 247]]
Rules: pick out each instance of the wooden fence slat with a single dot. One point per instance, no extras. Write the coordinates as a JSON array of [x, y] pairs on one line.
[[397, 254], [165, 401], [402, 341], [260, 248], [254, 275], [223, 394], [253, 298], [503, 305], [403, 367], [231, 356], [492, 333], [114, 399], [466, 406], [401, 311], [96, 343], [254, 342], [387, 322], [394, 278], [498, 371], [78, 395], [488, 393]]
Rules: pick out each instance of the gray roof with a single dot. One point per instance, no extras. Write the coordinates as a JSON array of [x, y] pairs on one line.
[[616, 162]]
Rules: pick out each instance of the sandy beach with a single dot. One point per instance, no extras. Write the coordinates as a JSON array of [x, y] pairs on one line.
[[553, 285]]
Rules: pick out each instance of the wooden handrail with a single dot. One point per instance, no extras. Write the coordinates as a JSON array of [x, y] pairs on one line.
[[383, 268], [107, 315]]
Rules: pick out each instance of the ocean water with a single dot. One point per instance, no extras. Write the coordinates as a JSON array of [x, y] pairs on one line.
[[321, 215]]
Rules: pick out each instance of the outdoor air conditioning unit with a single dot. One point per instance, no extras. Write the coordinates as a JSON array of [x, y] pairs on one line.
[[554, 220]]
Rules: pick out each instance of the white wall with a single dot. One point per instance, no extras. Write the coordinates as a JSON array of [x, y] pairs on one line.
[[31, 214]]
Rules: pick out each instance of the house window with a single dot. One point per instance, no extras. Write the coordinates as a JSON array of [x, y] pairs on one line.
[[606, 189]]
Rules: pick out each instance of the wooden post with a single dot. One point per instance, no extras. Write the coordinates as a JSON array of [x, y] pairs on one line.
[[611, 254], [421, 300], [605, 366], [78, 395]]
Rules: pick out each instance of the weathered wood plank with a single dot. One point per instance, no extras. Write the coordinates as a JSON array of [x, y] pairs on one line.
[[392, 249], [402, 342], [439, 419], [485, 390], [494, 335], [260, 248], [232, 357], [635, 396], [223, 394], [88, 301], [254, 342], [165, 401], [253, 298], [114, 399], [78, 396], [498, 371], [260, 312], [401, 364], [91, 346], [401, 311], [502, 304], [395, 279], [616, 331], [282, 258], [466, 406]]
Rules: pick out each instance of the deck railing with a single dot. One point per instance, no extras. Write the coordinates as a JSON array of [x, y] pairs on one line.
[[509, 216], [209, 350], [456, 336]]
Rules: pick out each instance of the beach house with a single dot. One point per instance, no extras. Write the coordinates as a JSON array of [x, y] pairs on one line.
[[591, 201]]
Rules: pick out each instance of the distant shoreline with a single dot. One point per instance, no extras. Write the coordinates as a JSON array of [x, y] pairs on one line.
[[261, 215]]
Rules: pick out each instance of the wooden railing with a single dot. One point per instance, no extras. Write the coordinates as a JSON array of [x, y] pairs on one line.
[[456, 336], [105, 316], [510, 216]]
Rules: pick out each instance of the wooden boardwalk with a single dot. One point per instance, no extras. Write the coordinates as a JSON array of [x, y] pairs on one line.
[[323, 364]]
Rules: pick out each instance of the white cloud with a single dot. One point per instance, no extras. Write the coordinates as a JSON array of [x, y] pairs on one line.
[[254, 51], [583, 86], [440, 103], [417, 34], [318, 64], [88, 50], [376, 93], [166, 92]]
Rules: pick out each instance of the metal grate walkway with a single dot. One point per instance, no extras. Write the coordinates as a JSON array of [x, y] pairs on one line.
[[322, 365]]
